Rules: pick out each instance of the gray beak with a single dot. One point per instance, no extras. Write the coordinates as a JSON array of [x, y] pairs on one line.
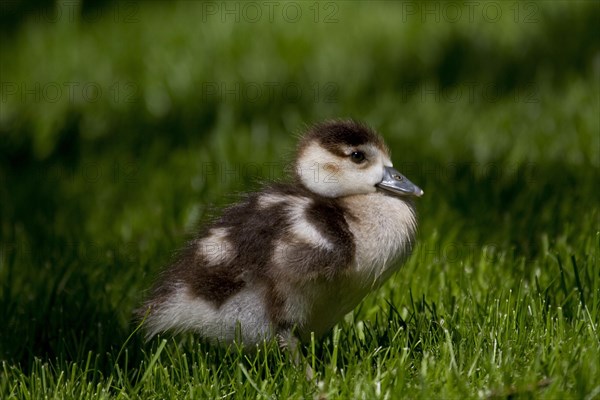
[[397, 183]]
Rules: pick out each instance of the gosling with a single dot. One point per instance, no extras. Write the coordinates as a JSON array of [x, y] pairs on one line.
[[294, 258]]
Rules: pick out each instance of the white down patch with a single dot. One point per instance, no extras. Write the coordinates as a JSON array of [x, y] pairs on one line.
[[243, 316], [216, 248], [383, 230], [271, 199], [301, 228]]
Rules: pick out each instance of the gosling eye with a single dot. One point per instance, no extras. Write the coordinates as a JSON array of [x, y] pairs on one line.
[[357, 157]]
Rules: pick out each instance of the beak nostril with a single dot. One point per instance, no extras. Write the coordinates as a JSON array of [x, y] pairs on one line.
[[393, 181]]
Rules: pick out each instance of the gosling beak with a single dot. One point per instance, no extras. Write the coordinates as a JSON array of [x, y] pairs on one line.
[[397, 183]]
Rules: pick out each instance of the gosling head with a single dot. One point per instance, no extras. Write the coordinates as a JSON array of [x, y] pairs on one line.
[[343, 158]]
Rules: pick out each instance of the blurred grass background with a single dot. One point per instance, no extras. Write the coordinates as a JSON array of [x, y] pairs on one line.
[[123, 124]]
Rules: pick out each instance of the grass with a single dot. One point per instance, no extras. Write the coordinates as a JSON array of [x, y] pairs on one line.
[[501, 298]]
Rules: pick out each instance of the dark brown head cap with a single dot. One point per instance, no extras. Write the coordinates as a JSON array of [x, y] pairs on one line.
[[333, 133]]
